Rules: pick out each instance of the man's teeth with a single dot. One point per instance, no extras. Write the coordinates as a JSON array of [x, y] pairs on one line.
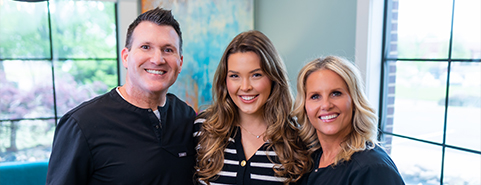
[[248, 97], [330, 116], [155, 72]]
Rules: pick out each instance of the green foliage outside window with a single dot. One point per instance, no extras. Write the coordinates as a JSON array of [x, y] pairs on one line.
[[76, 51]]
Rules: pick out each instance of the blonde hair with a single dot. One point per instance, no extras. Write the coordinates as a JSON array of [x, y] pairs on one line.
[[221, 117], [364, 121]]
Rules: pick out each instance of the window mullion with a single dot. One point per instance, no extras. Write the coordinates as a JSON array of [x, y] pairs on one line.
[[446, 100], [49, 18]]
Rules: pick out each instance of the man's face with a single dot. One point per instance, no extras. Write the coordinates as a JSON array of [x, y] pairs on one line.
[[154, 60]]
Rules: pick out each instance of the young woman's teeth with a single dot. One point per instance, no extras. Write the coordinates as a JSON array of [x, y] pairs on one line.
[[330, 116], [248, 97], [155, 72]]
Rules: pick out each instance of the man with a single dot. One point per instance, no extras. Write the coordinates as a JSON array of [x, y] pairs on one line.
[[137, 133]]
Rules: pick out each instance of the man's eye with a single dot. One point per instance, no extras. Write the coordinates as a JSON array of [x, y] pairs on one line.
[[168, 50], [144, 47]]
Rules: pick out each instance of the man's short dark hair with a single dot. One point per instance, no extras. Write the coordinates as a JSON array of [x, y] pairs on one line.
[[158, 16]]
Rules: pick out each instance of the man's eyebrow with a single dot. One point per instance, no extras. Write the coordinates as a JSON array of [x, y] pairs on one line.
[[169, 45]]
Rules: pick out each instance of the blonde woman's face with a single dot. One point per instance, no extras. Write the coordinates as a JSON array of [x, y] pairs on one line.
[[328, 104], [248, 85]]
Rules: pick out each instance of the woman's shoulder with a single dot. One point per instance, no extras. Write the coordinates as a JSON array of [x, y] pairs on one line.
[[373, 158], [375, 164], [202, 116], [198, 122]]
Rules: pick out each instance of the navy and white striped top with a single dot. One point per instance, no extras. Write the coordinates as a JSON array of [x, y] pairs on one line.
[[237, 170]]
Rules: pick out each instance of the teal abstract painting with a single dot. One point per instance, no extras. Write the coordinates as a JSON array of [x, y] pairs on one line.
[[207, 28]]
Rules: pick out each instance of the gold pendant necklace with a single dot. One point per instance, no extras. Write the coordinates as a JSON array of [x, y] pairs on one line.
[[257, 136]]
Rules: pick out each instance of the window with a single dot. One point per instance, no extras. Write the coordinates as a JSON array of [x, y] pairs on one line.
[[431, 104], [53, 56]]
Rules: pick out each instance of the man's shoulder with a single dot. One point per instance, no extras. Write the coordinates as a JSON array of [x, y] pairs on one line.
[[91, 106], [178, 104]]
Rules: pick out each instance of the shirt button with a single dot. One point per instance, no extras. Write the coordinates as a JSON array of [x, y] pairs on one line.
[[157, 126], [315, 170], [243, 163], [150, 110]]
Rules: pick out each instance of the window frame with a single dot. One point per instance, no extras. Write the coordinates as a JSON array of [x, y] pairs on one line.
[[386, 101], [52, 59]]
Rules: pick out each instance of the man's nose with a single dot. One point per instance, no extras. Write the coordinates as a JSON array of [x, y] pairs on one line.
[[157, 57]]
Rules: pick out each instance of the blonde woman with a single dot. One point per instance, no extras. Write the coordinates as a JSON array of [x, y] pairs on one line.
[[339, 126], [247, 135]]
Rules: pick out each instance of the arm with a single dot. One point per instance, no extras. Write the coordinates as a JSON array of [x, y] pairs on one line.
[[70, 161]]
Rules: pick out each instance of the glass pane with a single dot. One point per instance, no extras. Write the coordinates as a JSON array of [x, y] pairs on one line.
[[24, 30], [467, 29], [78, 81], [416, 168], [26, 89], [420, 89], [461, 167], [26, 140], [423, 28], [464, 120], [84, 29]]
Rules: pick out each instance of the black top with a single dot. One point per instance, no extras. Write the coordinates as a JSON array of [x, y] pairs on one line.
[[109, 141], [237, 170], [369, 167]]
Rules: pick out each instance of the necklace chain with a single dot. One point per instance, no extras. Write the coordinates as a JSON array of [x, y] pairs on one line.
[[257, 136]]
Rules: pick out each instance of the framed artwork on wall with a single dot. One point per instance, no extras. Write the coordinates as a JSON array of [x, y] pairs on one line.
[[207, 28]]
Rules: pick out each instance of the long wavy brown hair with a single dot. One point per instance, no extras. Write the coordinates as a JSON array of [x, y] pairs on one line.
[[222, 116], [364, 133]]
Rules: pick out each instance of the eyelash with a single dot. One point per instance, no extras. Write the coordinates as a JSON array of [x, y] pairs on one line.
[[167, 50], [335, 94], [257, 75], [254, 75]]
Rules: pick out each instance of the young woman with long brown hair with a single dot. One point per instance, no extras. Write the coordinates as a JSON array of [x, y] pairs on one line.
[[248, 135]]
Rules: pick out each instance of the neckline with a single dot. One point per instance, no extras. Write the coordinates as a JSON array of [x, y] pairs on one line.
[[240, 148], [318, 159], [119, 98]]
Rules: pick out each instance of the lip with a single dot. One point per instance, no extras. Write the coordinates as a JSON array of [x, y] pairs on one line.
[[248, 98], [330, 117]]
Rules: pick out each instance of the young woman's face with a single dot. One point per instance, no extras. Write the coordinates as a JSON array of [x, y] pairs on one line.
[[247, 84], [328, 104]]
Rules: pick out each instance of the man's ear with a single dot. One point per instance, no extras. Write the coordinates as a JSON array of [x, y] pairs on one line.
[[124, 55], [181, 62]]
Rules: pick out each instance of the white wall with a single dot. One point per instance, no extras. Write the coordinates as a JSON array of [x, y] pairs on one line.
[[304, 29], [369, 22], [127, 12]]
